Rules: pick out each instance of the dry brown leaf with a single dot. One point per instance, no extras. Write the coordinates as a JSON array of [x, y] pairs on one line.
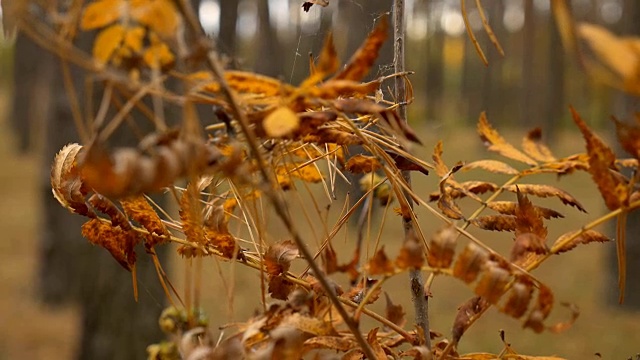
[[466, 313], [470, 262], [446, 203], [509, 208], [280, 287], [358, 293], [492, 166], [372, 339], [493, 280], [405, 163], [586, 237], [601, 161], [362, 60], [442, 248], [546, 191], [380, 264], [394, 312], [495, 222], [278, 257], [359, 164], [119, 242], [565, 325], [495, 142], [533, 146]]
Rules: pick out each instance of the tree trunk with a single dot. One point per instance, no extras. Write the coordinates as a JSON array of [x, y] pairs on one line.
[[528, 71], [555, 108], [268, 56], [434, 86], [228, 23]]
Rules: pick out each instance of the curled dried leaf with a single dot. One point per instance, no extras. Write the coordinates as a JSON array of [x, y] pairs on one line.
[[466, 313], [105, 206], [525, 244], [280, 287], [278, 257], [394, 312], [281, 122], [441, 167], [541, 310], [380, 264], [411, 253], [66, 184]]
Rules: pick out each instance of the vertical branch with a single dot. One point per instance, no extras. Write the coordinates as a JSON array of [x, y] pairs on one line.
[[420, 301]]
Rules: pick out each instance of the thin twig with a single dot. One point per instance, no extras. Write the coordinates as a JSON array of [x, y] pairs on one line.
[[420, 301]]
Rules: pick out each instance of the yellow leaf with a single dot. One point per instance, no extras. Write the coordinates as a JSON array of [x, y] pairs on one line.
[[491, 165], [534, 147], [133, 38], [101, 13], [618, 54], [158, 55], [107, 42], [159, 15], [281, 122]]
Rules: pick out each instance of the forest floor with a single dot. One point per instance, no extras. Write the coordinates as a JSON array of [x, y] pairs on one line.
[[29, 330]]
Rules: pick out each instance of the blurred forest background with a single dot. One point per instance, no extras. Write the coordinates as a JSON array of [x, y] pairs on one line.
[[531, 86]]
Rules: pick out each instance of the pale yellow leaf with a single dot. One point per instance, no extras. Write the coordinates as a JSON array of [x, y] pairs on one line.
[[281, 122]]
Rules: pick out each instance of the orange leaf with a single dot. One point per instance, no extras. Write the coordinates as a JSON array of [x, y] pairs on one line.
[[363, 59], [107, 41], [495, 142], [105, 205], [541, 310], [411, 253], [101, 13], [533, 146], [601, 161], [587, 237], [466, 312], [372, 339], [518, 298], [337, 343], [278, 257], [158, 55], [546, 191], [525, 245], [139, 209], [491, 165], [279, 287]]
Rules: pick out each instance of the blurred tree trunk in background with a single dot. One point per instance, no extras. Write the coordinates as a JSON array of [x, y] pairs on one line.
[[434, 85], [555, 99], [527, 101], [268, 56], [626, 106], [492, 101], [228, 23], [114, 326]]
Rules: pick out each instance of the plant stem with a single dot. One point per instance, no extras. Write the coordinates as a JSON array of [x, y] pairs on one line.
[[420, 301]]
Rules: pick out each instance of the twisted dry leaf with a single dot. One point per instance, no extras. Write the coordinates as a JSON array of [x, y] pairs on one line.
[[119, 242], [66, 184], [278, 257], [586, 237], [139, 209], [380, 264], [532, 145]]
